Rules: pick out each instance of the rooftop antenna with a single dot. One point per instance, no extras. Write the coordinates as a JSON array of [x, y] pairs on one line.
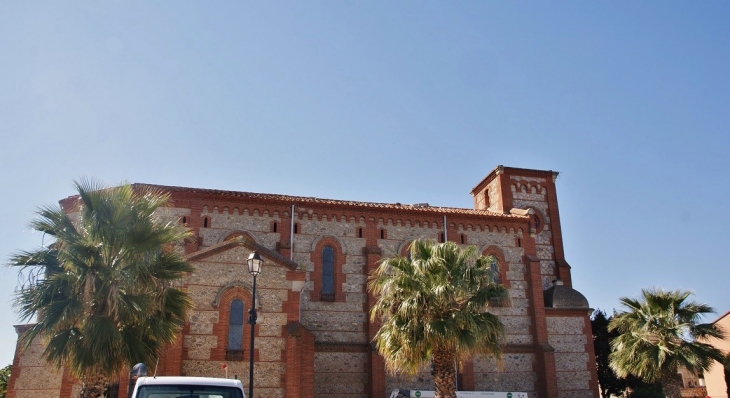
[[156, 363]]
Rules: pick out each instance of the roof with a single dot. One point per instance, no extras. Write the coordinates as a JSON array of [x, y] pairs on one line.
[[188, 380], [560, 296], [720, 317], [240, 241], [299, 200]]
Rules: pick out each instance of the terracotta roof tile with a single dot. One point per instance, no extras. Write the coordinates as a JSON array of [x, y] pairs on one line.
[[322, 201]]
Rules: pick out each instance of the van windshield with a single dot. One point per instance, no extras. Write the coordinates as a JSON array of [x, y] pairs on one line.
[[187, 391]]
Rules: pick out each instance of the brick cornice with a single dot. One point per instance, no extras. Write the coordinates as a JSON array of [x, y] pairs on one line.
[[22, 328], [513, 170], [231, 198]]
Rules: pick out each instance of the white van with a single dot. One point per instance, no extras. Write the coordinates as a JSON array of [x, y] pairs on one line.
[[459, 394], [187, 387]]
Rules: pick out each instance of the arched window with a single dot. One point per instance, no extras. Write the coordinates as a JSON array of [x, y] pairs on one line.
[[538, 221], [405, 250], [234, 350], [494, 266], [328, 273]]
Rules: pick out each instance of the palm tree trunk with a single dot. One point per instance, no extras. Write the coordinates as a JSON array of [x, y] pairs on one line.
[[672, 385], [94, 386], [444, 373]]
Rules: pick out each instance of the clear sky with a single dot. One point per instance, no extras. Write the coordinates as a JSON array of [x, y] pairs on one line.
[[412, 101]]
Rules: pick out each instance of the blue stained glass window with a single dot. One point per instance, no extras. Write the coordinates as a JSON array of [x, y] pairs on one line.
[[494, 266], [235, 326], [328, 270]]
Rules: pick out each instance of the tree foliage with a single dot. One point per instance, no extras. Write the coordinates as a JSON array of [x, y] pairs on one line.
[[661, 332], [104, 294], [637, 388], [432, 306], [609, 383], [4, 380]]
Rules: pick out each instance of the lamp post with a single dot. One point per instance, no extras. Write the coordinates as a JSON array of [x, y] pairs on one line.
[[255, 263]]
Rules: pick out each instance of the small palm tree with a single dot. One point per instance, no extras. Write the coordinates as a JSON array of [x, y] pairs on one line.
[[660, 333], [105, 296], [433, 308]]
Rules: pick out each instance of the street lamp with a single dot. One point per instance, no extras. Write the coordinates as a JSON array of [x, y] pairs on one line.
[[255, 263]]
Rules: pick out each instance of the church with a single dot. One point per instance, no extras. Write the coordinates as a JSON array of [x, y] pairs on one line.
[[313, 337]]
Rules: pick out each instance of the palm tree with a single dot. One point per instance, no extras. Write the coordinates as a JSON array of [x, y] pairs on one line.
[[103, 292], [432, 307], [660, 333]]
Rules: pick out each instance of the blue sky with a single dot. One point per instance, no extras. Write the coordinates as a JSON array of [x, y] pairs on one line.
[[391, 102]]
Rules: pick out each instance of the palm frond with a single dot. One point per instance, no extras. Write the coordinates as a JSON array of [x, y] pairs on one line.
[[436, 299], [105, 298], [659, 333]]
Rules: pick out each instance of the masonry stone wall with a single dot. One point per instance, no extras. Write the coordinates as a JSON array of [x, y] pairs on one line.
[[222, 224], [339, 326], [422, 380], [206, 336], [341, 374], [514, 372], [567, 336]]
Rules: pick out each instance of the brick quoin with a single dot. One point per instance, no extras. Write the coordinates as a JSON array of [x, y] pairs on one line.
[[307, 347], [12, 390]]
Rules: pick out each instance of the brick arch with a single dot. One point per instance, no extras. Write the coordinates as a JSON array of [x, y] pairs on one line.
[[404, 247], [226, 295], [316, 274], [233, 285], [499, 254], [340, 246]]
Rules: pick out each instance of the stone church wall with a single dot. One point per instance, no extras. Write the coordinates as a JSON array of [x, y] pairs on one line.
[[315, 345]]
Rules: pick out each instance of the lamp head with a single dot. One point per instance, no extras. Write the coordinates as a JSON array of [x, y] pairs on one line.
[[255, 263]]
